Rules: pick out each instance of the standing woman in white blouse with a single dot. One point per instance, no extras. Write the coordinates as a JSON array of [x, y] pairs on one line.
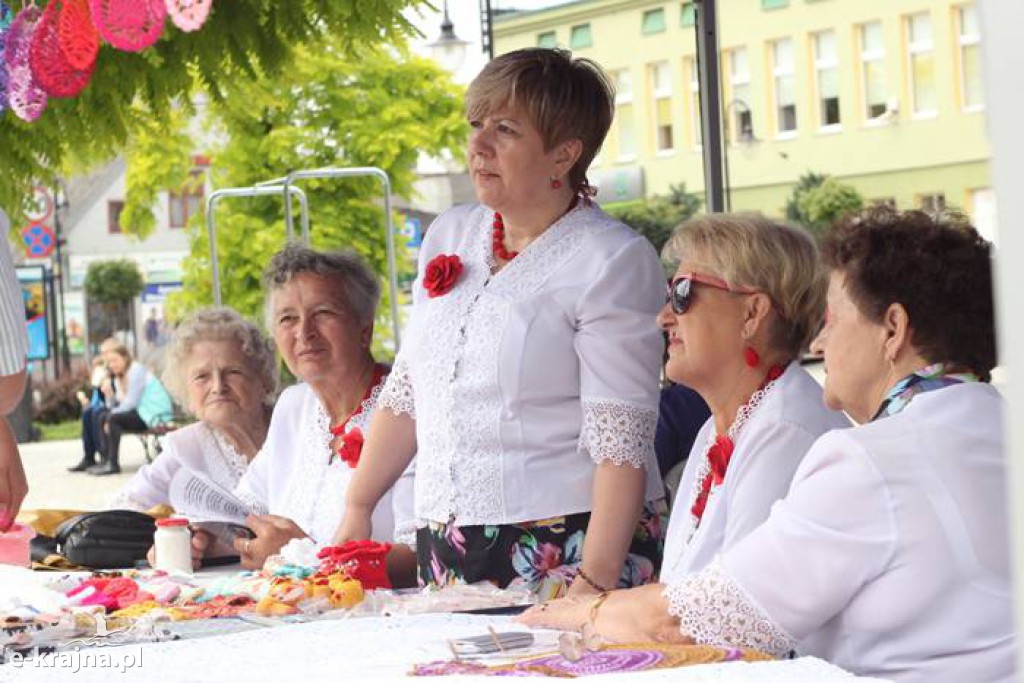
[[890, 554], [746, 299], [528, 382], [222, 368]]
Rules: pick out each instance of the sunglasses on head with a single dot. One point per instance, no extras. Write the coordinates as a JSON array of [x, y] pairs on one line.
[[680, 290]]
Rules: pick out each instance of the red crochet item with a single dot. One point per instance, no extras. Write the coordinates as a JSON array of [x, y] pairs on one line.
[[364, 561], [188, 15], [50, 67], [79, 39], [129, 25]]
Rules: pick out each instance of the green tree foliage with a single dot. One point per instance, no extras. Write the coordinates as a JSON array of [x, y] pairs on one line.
[[113, 282], [328, 109], [808, 181], [240, 40], [826, 204], [657, 217]]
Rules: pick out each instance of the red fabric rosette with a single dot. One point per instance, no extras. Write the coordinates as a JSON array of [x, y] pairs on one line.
[[351, 447], [442, 273]]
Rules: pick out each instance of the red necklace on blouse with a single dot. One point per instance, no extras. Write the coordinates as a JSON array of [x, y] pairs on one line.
[[498, 232], [720, 453], [352, 441]]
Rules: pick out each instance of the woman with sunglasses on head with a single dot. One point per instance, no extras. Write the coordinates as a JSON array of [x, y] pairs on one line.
[[527, 385], [889, 554], [745, 300]]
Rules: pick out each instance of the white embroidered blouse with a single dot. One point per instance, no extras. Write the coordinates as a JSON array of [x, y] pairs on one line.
[[295, 474], [522, 380], [783, 421], [888, 557], [198, 447]]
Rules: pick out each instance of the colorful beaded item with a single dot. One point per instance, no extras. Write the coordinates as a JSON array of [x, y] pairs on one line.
[[50, 66], [129, 25], [24, 96], [79, 39], [189, 15]]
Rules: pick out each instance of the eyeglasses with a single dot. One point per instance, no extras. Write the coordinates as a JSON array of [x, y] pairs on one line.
[[680, 290]]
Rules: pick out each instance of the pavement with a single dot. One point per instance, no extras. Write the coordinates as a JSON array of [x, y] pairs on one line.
[[50, 485]]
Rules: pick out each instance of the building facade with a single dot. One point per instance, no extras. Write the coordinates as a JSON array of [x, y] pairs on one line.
[[886, 95]]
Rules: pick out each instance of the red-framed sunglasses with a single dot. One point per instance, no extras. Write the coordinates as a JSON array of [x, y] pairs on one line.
[[680, 290]]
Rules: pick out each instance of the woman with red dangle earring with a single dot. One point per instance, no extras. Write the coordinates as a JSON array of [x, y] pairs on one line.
[[746, 299], [528, 382]]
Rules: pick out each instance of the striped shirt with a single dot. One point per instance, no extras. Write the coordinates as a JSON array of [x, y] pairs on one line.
[[13, 336]]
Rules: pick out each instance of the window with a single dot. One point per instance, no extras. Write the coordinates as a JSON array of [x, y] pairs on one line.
[[774, 4], [922, 63], [186, 202], [932, 203], [547, 39], [624, 115], [784, 75], [872, 60], [688, 14], [580, 37], [970, 58], [826, 71], [695, 102], [653, 21], [740, 121], [114, 209], [661, 89]]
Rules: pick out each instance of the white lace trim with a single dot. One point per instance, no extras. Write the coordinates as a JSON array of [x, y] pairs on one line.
[[232, 464], [618, 431], [714, 609], [126, 501], [742, 416], [397, 394]]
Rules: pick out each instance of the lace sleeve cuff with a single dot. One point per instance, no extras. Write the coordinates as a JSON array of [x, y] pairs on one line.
[[618, 431], [397, 395], [715, 610]]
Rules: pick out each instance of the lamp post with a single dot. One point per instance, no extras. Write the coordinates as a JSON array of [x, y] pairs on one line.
[[60, 207], [449, 50], [745, 125]]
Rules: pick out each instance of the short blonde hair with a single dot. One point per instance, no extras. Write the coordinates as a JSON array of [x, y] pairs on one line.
[[115, 345], [219, 324], [564, 98], [748, 250]]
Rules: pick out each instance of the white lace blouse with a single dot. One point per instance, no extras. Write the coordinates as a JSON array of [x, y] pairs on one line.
[[198, 447], [522, 380], [889, 556], [295, 474], [784, 420]]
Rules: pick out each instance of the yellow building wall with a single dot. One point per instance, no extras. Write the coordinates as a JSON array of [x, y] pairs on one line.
[[901, 157]]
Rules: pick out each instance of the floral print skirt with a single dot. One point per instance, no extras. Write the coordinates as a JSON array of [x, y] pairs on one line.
[[543, 555]]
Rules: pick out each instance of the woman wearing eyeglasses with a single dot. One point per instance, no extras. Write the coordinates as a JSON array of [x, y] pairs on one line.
[[889, 554], [748, 295]]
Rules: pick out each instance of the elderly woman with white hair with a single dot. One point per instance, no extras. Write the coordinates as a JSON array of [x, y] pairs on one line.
[[220, 367], [320, 309]]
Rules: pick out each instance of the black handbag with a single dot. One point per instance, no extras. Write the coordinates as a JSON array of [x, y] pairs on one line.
[[106, 540]]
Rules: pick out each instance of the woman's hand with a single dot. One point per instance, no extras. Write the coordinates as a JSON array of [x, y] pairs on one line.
[[357, 525], [272, 533]]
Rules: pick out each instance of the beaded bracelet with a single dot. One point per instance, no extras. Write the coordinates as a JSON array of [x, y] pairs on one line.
[[590, 582]]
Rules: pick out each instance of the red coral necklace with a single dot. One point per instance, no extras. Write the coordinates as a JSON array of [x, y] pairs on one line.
[[498, 239]]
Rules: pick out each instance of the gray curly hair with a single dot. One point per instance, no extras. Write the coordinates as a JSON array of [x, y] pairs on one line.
[[219, 323], [358, 282]]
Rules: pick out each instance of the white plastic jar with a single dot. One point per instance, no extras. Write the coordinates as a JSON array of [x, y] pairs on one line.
[[172, 545]]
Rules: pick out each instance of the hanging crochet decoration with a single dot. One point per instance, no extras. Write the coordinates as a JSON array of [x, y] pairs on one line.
[[189, 15], [50, 66], [25, 98], [129, 25], [79, 39], [6, 17]]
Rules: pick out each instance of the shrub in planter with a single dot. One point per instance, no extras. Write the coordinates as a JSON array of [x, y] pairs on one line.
[[58, 401]]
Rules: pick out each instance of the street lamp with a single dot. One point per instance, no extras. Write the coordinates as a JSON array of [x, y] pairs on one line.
[[60, 208], [743, 122], [449, 50]]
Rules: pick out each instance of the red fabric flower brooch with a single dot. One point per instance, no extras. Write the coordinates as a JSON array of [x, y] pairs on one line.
[[351, 447], [442, 273]]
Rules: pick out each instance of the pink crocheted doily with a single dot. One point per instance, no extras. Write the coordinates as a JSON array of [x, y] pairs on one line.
[[189, 15], [25, 98], [129, 25], [79, 39], [50, 67]]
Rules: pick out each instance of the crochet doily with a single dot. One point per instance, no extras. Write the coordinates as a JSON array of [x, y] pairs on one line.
[[50, 66], [129, 25], [189, 15], [79, 39]]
